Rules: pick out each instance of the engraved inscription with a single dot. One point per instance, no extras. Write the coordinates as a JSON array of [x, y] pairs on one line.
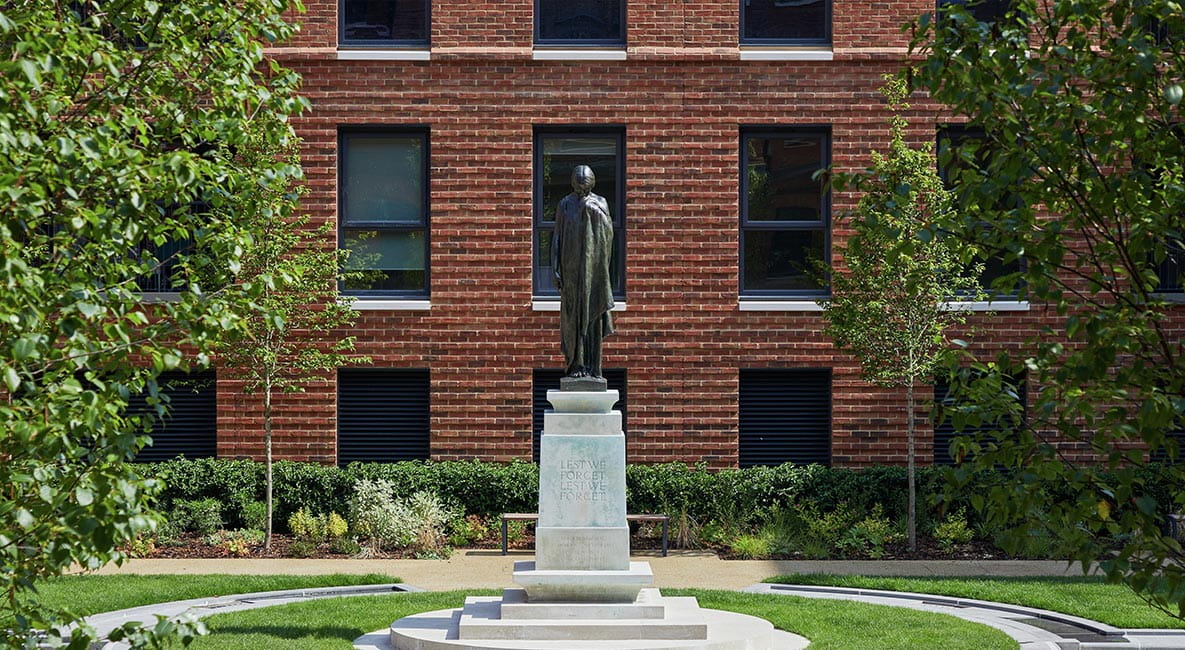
[[583, 480]]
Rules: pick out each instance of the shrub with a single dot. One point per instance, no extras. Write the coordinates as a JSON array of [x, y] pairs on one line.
[[752, 547], [304, 525], [253, 514], [302, 548], [870, 535], [953, 531], [344, 546], [203, 517], [377, 516], [428, 518], [464, 531]]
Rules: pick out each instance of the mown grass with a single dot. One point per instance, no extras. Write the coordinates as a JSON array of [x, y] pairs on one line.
[[1086, 596], [829, 624], [84, 595]]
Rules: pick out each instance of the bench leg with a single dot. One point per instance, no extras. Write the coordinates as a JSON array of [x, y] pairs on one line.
[[664, 537], [503, 536]]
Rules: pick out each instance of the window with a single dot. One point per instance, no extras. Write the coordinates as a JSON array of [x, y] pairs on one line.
[[785, 417], [384, 212], [557, 152], [950, 140], [549, 379], [794, 22], [785, 213], [190, 427], [166, 270], [382, 415], [984, 11], [945, 403], [383, 22], [580, 22], [1170, 271]]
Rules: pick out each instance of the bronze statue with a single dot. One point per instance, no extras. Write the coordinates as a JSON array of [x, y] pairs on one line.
[[580, 252]]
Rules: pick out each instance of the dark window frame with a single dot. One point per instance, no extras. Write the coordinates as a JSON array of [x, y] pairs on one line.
[[826, 39], [830, 408], [581, 42], [344, 133], [1174, 261], [1008, 5], [617, 204], [823, 132], [388, 42]]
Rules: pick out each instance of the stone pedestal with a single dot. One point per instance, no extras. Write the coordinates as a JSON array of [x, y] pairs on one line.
[[582, 592]]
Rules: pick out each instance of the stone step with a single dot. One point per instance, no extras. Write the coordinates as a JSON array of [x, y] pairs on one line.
[[480, 619], [515, 607]]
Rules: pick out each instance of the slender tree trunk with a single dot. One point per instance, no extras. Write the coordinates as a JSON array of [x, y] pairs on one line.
[[912, 522], [267, 445]]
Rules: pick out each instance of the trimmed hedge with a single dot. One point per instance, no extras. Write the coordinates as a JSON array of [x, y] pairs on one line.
[[741, 497], [738, 496]]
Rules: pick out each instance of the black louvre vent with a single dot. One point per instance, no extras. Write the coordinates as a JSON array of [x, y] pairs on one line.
[[382, 415], [190, 428], [549, 379], [785, 416], [944, 428]]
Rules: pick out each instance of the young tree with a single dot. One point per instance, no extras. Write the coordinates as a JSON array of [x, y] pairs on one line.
[[894, 303], [1080, 103], [286, 343], [119, 123]]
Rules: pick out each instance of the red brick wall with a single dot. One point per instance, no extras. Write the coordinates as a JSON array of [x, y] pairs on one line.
[[682, 98]]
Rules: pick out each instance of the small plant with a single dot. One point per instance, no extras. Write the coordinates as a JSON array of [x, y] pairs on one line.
[[464, 531], [752, 547], [139, 546], [687, 531], [304, 525], [344, 546], [953, 531], [869, 536], [428, 519], [169, 533], [203, 516], [254, 515], [302, 548], [335, 526], [376, 515], [516, 531]]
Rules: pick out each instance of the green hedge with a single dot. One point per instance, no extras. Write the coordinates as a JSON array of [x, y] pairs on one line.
[[740, 497], [736, 496]]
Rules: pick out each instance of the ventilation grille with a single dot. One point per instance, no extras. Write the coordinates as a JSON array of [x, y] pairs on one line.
[[785, 417], [190, 427], [382, 415]]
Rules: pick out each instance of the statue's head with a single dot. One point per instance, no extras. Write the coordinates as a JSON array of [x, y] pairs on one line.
[[583, 179]]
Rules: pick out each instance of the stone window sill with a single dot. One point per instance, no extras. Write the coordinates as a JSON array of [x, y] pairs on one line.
[[992, 305], [370, 304], [575, 54], [787, 54], [779, 305], [378, 54], [553, 304]]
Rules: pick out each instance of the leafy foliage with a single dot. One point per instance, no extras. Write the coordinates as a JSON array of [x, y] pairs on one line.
[[119, 127], [1080, 104], [893, 304], [286, 343]]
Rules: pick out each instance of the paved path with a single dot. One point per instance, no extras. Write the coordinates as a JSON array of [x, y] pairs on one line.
[[482, 569]]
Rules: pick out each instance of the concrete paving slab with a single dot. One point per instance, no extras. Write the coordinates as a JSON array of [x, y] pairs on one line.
[[489, 569]]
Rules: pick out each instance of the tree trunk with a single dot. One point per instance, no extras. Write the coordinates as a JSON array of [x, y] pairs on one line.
[[267, 444], [911, 522]]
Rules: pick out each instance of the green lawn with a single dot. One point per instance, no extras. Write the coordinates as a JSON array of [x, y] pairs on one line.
[[1088, 597], [91, 594], [831, 625]]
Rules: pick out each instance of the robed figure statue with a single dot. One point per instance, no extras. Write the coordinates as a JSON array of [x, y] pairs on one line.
[[580, 252]]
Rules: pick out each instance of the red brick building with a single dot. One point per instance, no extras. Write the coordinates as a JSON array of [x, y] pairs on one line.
[[439, 141]]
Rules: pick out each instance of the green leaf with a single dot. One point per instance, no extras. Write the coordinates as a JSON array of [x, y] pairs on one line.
[[84, 496], [11, 379]]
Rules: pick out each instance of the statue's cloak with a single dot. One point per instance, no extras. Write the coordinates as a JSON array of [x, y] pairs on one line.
[[581, 251]]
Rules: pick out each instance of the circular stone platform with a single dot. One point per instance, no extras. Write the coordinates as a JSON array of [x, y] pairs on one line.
[[437, 631]]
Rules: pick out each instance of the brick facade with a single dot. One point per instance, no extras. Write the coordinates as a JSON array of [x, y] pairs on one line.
[[681, 96]]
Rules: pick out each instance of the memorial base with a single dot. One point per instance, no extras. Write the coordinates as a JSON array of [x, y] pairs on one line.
[[569, 586]]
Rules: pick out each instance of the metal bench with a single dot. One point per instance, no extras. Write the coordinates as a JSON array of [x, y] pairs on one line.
[[534, 516]]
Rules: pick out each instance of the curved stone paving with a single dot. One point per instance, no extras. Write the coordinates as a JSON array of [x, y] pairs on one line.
[[1033, 629]]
